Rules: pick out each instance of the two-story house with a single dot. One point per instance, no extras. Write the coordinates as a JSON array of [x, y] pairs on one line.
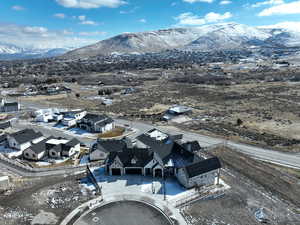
[[96, 123]]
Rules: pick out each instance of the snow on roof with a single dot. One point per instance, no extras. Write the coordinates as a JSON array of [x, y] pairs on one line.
[[4, 178], [57, 141], [180, 109], [157, 134]]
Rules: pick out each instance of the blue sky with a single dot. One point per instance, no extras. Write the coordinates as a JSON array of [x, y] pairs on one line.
[[62, 23]]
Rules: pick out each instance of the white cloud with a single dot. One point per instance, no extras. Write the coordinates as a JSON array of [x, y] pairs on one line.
[[193, 20], [88, 22], [17, 8], [129, 11], [282, 9], [268, 2], [83, 20], [92, 33], [82, 17], [41, 37], [60, 15], [225, 2], [288, 25], [215, 17], [143, 21], [90, 4]]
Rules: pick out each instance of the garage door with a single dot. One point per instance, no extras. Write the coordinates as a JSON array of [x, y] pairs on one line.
[[116, 172], [134, 171]]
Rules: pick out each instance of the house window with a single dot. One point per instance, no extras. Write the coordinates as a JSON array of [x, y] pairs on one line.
[[133, 161]]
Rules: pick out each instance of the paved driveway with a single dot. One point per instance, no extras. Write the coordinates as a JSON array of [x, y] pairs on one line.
[[130, 184], [124, 213]]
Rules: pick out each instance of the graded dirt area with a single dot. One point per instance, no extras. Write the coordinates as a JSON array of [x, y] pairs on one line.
[[42, 201], [124, 213]]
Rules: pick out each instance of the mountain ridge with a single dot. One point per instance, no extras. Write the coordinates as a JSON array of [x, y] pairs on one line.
[[205, 38]]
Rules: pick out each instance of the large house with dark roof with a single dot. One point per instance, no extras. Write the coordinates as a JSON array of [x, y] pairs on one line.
[[102, 148], [24, 139], [96, 123], [162, 156]]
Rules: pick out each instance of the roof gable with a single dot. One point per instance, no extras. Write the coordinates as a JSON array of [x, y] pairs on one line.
[[202, 167], [26, 135]]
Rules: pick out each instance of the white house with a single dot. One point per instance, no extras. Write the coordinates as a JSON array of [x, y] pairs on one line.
[[200, 173], [47, 115], [71, 117], [24, 139], [4, 182]]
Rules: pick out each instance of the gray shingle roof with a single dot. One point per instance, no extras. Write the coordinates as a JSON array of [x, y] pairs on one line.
[[73, 142], [111, 145], [95, 117], [141, 157], [162, 148], [26, 135], [202, 167], [4, 125]]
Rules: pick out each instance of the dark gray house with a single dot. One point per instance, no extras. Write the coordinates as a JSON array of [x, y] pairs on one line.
[[164, 156], [96, 123], [102, 148], [11, 107], [5, 125]]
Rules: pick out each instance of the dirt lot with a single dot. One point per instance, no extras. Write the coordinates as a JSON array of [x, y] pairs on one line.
[[254, 185], [41, 201]]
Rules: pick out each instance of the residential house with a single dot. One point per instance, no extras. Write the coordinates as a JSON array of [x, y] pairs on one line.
[[4, 183], [175, 111], [200, 173], [96, 123], [164, 156], [129, 161], [5, 125], [102, 148], [72, 117], [192, 146], [24, 139], [52, 147], [48, 115], [36, 151], [10, 107], [59, 148], [3, 139]]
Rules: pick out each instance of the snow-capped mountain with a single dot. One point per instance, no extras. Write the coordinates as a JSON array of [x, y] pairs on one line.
[[204, 38], [10, 51]]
